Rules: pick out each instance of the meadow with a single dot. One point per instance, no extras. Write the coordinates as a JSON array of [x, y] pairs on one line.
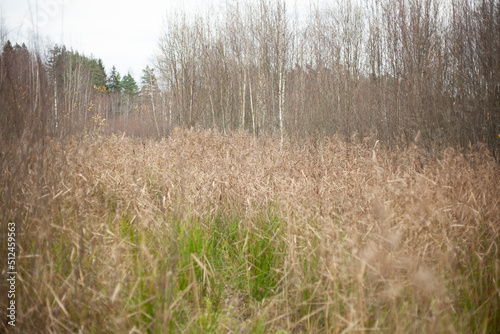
[[202, 232]]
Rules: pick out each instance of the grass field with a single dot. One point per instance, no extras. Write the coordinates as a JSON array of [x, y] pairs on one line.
[[206, 233]]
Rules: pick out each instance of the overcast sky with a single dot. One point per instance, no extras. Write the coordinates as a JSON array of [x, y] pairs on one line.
[[122, 33]]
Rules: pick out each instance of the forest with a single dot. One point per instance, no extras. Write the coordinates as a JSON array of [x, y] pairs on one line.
[[381, 70], [272, 170]]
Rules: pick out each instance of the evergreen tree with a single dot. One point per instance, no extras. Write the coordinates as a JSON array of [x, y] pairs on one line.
[[129, 85], [7, 48], [149, 82], [149, 92], [114, 81], [99, 76]]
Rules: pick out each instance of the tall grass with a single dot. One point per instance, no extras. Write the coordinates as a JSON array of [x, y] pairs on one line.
[[202, 232]]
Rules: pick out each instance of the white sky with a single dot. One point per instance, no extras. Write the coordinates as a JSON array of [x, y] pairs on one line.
[[122, 33]]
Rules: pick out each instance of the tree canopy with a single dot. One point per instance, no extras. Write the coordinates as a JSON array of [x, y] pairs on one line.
[[114, 81], [129, 85]]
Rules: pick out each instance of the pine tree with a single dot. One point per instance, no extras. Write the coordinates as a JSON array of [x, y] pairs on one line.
[[149, 82], [114, 81], [98, 72], [7, 48], [149, 91], [129, 85]]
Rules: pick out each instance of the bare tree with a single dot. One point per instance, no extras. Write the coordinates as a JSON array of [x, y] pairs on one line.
[[388, 69]]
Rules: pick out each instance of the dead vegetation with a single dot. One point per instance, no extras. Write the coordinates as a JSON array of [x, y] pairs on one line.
[[202, 232]]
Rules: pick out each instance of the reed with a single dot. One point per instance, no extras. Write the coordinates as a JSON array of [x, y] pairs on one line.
[[203, 232]]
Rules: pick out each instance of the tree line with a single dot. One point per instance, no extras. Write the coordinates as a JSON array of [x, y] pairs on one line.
[[63, 92], [387, 70], [383, 69]]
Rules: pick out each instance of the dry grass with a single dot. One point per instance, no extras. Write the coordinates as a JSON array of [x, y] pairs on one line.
[[202, 232]]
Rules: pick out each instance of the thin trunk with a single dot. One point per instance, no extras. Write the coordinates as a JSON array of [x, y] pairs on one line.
[[55, 102], [243, 98], [281, 87], [251, 105], [211, 98], [153, 105]]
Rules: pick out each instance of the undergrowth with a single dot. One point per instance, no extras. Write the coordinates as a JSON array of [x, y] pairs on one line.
[[207, 233]]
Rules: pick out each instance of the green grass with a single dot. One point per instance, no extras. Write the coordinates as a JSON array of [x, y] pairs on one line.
[[209, 259]]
